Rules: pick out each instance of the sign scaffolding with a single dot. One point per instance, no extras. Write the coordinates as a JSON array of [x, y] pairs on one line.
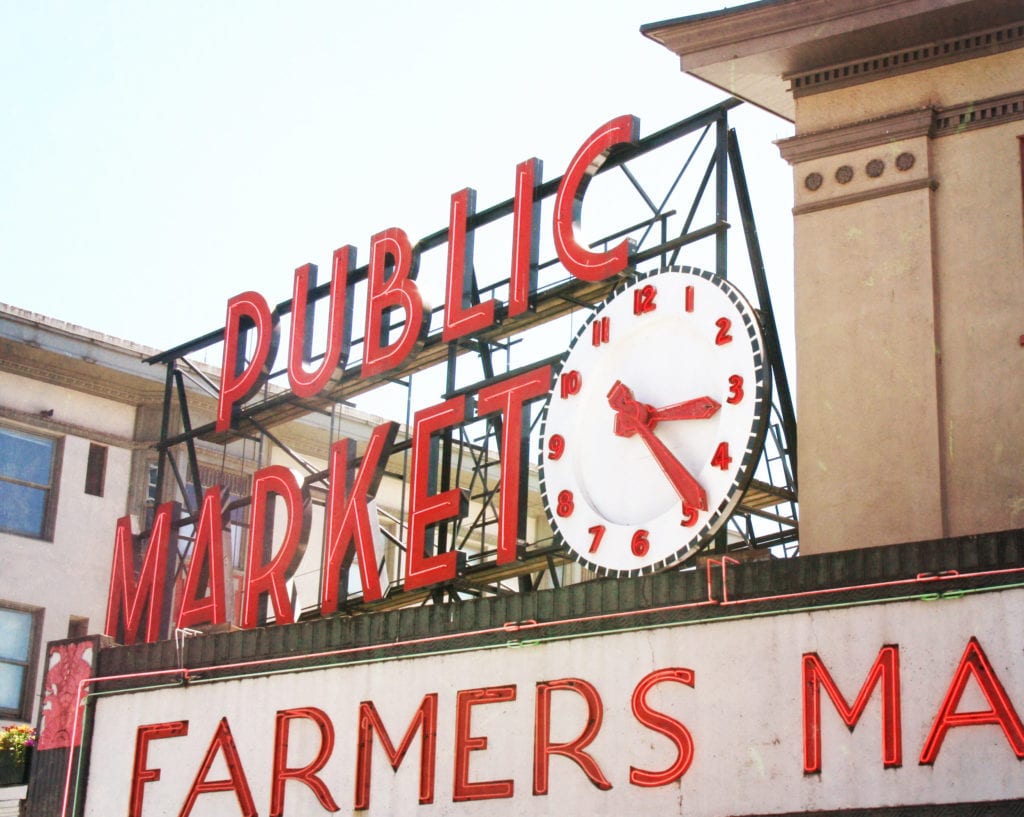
[[466, 466]]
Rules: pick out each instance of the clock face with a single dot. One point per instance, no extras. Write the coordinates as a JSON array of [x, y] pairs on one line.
[[654, 422]]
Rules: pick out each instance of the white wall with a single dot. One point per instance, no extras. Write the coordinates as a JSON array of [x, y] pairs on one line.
[[68, 576]]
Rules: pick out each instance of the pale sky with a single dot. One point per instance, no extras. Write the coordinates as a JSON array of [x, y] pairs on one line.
[[158, 158]]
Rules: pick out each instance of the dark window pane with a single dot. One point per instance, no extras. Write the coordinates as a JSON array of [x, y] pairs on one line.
[[25, 457], [12, 681], [15, 634], [22, 509], [95, 469]]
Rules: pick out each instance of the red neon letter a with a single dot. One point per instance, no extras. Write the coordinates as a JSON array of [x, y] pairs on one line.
[[208, 548], [974, 664], [223, 742]]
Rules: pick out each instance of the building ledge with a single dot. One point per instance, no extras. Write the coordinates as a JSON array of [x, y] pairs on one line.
[[756, 50]]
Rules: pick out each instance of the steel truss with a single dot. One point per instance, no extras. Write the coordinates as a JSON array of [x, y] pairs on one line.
[[693, 212]]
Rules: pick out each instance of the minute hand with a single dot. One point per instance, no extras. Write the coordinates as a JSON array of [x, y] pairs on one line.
[[686, 486], [633, 417]]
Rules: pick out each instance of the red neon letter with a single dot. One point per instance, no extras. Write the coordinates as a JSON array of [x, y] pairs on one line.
[[577, 259], [306, 774], [542, 745], [465, 743], [669, 727], [209, 546], [510, 397], [236, 781], [427, 509], [369, 722], [127, 600], [141, 774], [974, 664], [339, 326], [239, 380], [386, 293], [884, 672], [461, 315], [263, 574], [522, 283], [350, 526]]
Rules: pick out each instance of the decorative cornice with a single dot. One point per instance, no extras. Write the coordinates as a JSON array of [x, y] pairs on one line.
[[866, 195], [96, 386], [908, 125], [995, 111], [45, 423], [915, 58], [931, 122]]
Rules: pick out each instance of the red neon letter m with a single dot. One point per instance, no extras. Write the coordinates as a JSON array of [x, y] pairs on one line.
[[885, 671], [129, 599], [425, 720]]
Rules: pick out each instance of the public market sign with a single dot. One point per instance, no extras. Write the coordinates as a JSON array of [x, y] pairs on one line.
[[891, 703], [685, 485]]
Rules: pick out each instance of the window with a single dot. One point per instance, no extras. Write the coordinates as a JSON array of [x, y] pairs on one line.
[[95, 469], [28, 481], [19, 643]]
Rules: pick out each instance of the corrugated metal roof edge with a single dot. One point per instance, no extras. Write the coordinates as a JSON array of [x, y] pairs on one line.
[[766, 587]]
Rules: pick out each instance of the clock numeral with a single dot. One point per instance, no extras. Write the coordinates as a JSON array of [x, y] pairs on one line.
[[721, 459], [556, 446], [640, 544], [598, 533], [572, 382], [723, 337], [689, 298], [735, 390], [565, 505], [643, 299], [689, 516], [601, 330]]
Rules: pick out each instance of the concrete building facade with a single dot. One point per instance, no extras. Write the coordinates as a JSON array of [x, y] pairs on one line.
[[909, 250]]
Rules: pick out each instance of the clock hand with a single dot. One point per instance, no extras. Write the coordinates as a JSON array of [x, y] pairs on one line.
[[632, 417], [700, 408]]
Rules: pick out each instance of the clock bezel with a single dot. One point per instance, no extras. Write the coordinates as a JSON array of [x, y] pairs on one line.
[[724, 502]]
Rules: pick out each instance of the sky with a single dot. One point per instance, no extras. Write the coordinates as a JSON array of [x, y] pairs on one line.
[[157, 158]]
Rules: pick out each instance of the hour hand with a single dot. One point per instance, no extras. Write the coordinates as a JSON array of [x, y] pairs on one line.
[[630, 414]]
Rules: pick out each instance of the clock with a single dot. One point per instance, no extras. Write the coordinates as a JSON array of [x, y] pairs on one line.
[[655, 422]]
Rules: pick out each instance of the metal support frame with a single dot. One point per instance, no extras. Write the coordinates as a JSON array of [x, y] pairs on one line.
[[674, 223]]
